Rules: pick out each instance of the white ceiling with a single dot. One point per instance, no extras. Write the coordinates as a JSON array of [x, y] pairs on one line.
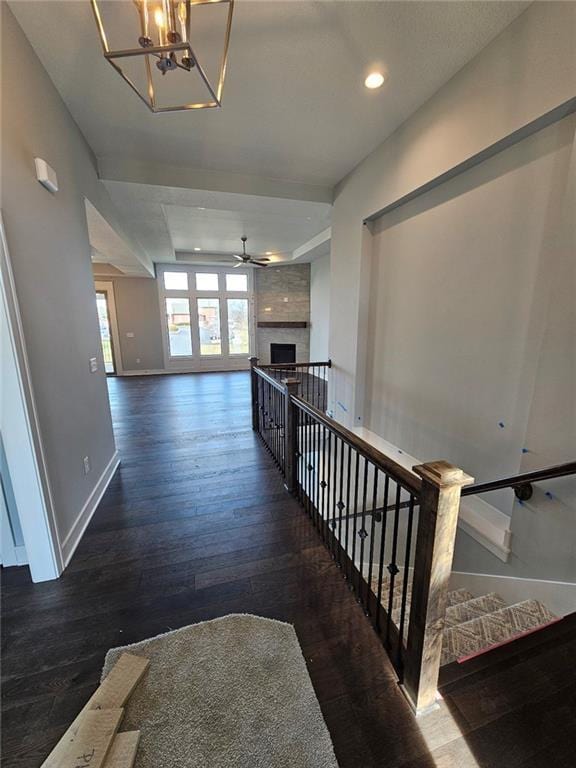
[[294, 102], [168, 219]]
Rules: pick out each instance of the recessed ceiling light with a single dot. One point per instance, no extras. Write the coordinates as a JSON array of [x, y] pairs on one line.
[[374, 80], [197, 249], [201, 208]]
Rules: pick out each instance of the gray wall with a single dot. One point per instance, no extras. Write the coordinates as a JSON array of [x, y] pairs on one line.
[[138, 313], [528, 70], [320, 308], [48, 243], [472, 319]]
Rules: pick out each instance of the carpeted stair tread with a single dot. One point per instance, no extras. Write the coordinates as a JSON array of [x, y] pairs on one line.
[[455, 597], [459, 596], [472, 609], [493, 628]]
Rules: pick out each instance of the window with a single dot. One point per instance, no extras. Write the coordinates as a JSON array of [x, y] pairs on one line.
[[208, 316], [238, 329], [209, 326], [105, 335], [206, 281], [236, 282], [176, 281], [178, 319]]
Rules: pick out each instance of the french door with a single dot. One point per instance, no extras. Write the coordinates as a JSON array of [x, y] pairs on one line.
[[207, 317]]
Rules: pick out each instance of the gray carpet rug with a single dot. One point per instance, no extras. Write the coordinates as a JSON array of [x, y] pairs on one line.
[[229, 693]]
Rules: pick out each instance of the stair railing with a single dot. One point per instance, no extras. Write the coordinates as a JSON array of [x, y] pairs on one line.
[[389, 530], [522, 484], [312, 378]]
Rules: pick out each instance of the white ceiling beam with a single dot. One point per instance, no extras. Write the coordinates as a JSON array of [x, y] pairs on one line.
[[317, 246], [156, 174]]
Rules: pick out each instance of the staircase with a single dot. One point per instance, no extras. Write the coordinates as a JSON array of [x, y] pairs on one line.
[[476, 624]]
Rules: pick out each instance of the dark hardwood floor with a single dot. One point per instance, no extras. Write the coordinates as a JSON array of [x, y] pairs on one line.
[[196, 524]]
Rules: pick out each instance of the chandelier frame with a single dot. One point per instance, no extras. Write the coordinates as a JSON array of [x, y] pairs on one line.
[[185, 46]]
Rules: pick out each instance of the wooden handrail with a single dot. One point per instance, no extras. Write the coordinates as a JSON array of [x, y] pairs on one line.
[[406, 478], [270, 379], [560, 470], [288, 366]]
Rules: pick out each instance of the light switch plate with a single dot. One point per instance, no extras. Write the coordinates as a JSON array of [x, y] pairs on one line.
[[93, 365], [130, 335], [46, 175]]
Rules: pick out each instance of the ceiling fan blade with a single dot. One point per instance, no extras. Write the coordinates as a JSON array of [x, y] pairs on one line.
[[258, 263], [236, 265], [235, 256]]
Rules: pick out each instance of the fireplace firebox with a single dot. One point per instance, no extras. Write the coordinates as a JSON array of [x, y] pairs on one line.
[[282, 353]]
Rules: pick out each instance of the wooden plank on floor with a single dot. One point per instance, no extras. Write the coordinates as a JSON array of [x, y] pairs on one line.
[[112, 693], [90, 744], [123, 750], [116, 688]]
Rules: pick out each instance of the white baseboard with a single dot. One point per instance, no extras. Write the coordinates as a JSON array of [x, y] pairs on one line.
[[75, 534], [150, 372], [558, 596], [168, 372]]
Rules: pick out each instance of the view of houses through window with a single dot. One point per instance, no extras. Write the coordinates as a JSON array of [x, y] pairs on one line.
[[207, 312]]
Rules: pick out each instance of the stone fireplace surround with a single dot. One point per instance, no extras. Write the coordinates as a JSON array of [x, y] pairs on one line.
[[283, 296]]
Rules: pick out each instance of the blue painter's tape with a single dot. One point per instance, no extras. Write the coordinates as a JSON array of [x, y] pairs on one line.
[[525, 450], [342, 406], [501, 424]]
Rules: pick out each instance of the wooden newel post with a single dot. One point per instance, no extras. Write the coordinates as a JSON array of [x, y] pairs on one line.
[[437, 522], [254, 386], [290, 435]]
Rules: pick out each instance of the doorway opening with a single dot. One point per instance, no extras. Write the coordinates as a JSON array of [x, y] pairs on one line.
[[106, 332]]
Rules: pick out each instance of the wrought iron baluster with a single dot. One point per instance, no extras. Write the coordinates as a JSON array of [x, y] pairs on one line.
[[393, 567], [283, 430], [372, 536], [323, 484], [334, 507], [348, 478], [272, 423], [328, 488], [276, 445], [355, 525], [341, 506], [363, 533], [382, 549], [298, 452], [307, 462]]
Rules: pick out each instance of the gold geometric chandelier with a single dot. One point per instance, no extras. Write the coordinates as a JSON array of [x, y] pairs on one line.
[[174, 51]]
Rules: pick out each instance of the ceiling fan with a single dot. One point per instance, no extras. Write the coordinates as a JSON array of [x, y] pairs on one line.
[[245, 258]]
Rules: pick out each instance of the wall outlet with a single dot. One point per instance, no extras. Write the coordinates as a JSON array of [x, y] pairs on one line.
[[86, 461], [130, 335], [138, 360], [93, 365]]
